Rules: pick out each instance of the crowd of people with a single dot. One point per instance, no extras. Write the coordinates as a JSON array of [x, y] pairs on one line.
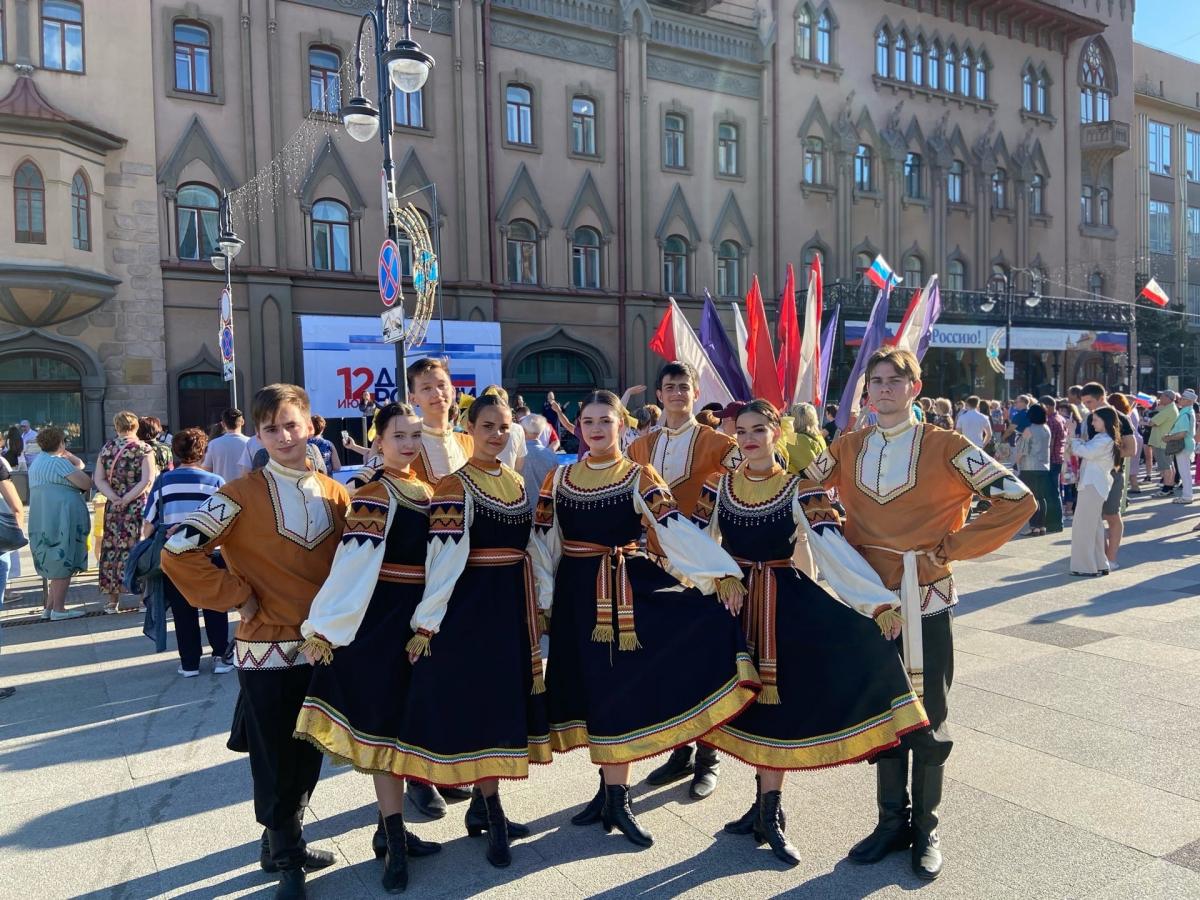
[[681, 569]]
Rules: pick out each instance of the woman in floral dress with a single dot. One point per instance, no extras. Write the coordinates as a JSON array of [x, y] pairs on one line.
[[124, 472]]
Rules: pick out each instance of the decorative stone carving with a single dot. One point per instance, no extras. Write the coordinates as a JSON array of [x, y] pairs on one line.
[[554, 46], [722, 81]]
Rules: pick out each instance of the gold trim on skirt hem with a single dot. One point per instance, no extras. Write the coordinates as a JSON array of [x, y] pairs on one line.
[[855, 748], [734, 697], [345, 746]]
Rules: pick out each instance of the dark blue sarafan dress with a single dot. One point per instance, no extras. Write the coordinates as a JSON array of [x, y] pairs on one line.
[[359, 623], [476, 703], [639, 663], [834, 689]]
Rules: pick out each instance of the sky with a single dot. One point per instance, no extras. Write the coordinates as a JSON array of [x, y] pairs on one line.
[[1171, 25]]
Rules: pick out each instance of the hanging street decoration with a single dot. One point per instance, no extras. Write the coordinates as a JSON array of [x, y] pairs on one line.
[[225, 335], [425, 273]]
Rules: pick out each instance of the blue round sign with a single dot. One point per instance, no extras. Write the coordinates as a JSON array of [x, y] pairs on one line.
[[389, 272]]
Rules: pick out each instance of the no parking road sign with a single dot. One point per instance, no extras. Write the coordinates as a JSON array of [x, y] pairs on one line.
[[389, 272]]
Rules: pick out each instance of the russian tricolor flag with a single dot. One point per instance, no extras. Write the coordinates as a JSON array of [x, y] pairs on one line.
[[881, 275]]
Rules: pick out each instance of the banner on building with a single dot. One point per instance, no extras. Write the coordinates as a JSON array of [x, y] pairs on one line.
[[345, 357], [972, 337]]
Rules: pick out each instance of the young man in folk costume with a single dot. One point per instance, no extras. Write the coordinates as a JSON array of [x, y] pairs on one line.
[[685, 453], [277, 529], [906, 488]]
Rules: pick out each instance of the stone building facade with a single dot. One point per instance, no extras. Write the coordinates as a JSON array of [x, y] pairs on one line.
[[81, 294]]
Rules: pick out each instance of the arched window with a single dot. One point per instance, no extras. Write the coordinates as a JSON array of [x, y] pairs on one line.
[[918, 61], [883, 50], [1096, 285], [825, 39], [956, 275], [1103, 217], [565, 372], [955, 176], [1037, 195], [62, 35], [1027, 98], [900, 58], [727, 149], [675, 259], [804, 33], [29, 198], [862, 262], [44, 389], [196, 210], [1086, 214], [948, 69], [331, 236], [193, 58], [324, 80], [814, 160], [1043, 93], [518, 121], [674, 141], [914, 185], [981, 77], [964, 73], [1000, 189], [863, 175], [408, 109], [521, 250], [935, 65], [1095, 91], [914, 271], [583, 126], [585, 258], [814, 253], [81, 225], [729, 269]]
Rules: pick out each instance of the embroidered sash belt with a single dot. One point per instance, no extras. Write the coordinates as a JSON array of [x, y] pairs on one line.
[[760, 621], [506, 556], [911, 638], [612, 583], [402, 574]]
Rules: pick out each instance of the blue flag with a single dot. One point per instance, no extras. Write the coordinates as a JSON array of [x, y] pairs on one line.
[[721, 352], [873, 339]]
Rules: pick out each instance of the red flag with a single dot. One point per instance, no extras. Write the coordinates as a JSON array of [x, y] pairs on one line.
[[808, 385], [787, 367], [764, 381], [663, 342], [1154, 293]]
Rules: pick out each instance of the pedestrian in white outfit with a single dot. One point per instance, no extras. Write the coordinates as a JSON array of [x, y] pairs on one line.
[[1097, 459]]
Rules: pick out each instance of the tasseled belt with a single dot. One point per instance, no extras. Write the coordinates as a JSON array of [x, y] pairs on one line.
[[760, 621], [507, 556], [612, 582], [402, 574]]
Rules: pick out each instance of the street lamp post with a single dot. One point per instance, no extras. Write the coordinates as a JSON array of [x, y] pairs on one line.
[[402, 67], [1000, 290], [229, 245]]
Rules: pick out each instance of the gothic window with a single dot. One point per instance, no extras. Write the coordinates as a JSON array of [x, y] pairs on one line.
[[900, 64], [935, 65], [804, 33], [675, 260], [522, 252], [1095, 83], [81, 226], [1037, 195], [882, 52], [1000, 189], [585, 258], [863, 165], [918, 61], [914, 270], [825, 39], [956, 275], [913, 176], [331, 236], [814, 161], [29, 198], [729, 263], [197, 217], [955, 176]]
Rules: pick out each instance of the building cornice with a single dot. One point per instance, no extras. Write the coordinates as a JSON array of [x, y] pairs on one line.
[[1030, 21]]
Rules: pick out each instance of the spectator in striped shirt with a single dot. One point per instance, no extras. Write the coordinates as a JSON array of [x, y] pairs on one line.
[[173, 497]]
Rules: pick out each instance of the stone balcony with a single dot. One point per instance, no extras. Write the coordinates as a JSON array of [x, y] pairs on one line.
[[1102, 142]]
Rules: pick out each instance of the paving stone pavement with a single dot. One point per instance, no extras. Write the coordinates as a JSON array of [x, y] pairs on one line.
[[1076, 770]]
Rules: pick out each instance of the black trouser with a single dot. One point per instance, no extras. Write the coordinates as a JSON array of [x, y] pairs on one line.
[[187, 628], [285, 770], [932, 745], [1054, 506]]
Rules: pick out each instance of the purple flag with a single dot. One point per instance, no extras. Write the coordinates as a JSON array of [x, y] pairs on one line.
[[933, 312], [720, 351], [827, 341], [873, 339]]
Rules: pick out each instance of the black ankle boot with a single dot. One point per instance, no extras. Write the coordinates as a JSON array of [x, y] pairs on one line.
[[416, 847], [498, 853], [291, 886], [680, 764], [745, 825], [590, 814], [395, 864], [454, 793], [927, 795], [477, 822], [769, 829], [707, 768], [426, 799], [894, 830], [617, 813]]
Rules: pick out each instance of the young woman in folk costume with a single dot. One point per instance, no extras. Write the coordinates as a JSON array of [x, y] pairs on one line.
[[358, 626], [476, 708], [641, 664], [834, 690]]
